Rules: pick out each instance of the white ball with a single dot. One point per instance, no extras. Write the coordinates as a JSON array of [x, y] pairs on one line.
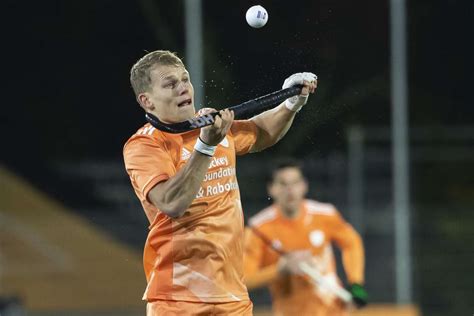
[[256, 16]]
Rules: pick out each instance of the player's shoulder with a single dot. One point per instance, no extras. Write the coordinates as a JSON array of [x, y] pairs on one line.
[[265, 216], [318, 208], [145, 133], [146, 138]]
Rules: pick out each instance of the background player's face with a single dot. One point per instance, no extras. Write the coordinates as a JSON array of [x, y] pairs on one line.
[[172, 94], [288, 188]]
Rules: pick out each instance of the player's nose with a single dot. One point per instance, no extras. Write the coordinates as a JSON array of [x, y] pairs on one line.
[[183, 88]]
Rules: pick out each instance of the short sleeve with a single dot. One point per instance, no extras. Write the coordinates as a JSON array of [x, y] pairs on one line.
[[147, 163], [245, 134]]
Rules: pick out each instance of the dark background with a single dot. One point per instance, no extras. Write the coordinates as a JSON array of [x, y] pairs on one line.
[[67, 99], [67, 64]]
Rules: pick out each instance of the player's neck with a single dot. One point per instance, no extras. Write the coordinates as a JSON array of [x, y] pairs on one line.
[[290, 212]]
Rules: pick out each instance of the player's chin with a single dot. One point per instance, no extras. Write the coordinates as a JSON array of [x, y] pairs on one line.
[[186, 112]]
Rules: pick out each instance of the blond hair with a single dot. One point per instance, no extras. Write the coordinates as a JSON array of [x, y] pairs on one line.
[[140, 74]]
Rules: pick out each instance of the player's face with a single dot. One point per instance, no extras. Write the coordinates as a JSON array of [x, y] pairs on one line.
[[288, 188], [172, 94]]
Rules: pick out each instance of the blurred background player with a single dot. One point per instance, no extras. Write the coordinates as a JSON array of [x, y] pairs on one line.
[[304, 230], [193, 256]]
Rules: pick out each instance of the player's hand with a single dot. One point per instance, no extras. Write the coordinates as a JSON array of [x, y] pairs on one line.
[[215, 133], [290, 263], [359, 294], [309, 82]]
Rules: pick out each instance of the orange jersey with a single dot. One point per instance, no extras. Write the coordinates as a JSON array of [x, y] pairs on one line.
[[315, 228], [197, 257], [175, 308]]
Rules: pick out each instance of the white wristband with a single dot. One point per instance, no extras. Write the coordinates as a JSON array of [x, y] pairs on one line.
[[204, 148], [291, 104]]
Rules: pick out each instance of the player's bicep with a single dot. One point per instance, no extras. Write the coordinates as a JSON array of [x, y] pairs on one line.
[[264, 139], [343, 233], [156, 194]]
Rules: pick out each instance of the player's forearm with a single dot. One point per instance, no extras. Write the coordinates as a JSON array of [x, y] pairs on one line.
[[354, 260], [273, 125], [174, 196], [261, 277]]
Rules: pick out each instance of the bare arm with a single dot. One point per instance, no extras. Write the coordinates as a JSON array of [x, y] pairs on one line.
[[273, 124], [175, 195]]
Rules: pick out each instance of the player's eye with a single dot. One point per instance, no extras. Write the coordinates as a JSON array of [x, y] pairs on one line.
[[170, 84]]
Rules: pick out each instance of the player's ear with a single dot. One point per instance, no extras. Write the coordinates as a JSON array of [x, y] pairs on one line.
[[271, 189], [145, 102], [305, 186]]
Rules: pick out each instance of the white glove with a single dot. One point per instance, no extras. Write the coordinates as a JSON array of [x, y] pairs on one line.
[[296, 103]]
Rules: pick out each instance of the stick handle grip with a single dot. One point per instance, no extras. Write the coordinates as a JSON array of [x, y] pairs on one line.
[[256, 106], [253, 107]]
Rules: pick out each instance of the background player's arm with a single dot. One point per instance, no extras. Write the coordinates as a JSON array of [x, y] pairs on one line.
[[273, 124], [350, 243], [256, 275], [261, 277]]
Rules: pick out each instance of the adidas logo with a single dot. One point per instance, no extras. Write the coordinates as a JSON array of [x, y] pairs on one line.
[[147, 130], [185, 154], [225, 142]]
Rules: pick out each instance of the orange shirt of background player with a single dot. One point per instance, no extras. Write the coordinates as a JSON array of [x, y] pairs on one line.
[[315, 228], [197, 257]]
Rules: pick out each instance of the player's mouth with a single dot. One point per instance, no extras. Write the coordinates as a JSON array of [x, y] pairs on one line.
[[185, 102], [290, 199]]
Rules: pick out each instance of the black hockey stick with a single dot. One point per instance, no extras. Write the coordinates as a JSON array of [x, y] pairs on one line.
[[241, 111]]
